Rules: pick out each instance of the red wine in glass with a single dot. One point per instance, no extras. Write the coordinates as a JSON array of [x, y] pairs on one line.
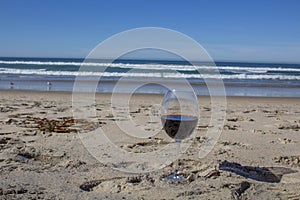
[[179, 126]]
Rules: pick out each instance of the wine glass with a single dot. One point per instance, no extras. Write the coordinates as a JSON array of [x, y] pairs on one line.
[[179, 116]]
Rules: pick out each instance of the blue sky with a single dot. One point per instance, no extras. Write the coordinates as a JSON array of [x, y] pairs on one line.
[[253, 30]]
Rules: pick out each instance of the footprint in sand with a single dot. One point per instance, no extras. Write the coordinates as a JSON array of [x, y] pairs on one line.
[[231, 127], [293, 161], [283, 141]]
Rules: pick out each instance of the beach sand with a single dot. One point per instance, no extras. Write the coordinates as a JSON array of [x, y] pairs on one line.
[[41, 156]]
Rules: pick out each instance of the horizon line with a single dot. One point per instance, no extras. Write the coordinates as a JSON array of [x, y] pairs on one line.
[[158, 59]]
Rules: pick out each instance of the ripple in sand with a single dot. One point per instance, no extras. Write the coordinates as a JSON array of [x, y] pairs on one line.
[[294, 127], [5, 109], [146, 146]]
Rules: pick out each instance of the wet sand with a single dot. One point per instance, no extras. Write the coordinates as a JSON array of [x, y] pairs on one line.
[[41, 155]]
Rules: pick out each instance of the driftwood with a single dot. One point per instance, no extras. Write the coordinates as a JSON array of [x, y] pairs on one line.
[[264, 174]]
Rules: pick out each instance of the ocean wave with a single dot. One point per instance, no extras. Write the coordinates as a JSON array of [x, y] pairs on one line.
[[150, 75], [233, 69]]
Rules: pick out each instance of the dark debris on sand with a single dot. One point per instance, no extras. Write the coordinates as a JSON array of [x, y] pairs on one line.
[[60, 125]]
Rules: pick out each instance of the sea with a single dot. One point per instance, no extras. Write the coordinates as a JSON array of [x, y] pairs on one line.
[[60, 74]]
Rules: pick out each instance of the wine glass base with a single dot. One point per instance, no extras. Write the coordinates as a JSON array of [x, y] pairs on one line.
[[175, 177]]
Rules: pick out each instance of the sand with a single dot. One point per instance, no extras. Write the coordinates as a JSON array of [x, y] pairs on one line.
[[42, 156]]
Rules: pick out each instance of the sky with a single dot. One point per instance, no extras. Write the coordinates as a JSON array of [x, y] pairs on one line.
[[230, 30]]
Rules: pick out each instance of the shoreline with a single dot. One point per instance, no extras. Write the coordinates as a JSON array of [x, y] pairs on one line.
[[36, 92], [261, 88]]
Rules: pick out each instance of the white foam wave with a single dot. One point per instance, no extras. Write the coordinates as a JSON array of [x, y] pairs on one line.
[[93, 64], [156, 66], [153, 75], [259, 69]]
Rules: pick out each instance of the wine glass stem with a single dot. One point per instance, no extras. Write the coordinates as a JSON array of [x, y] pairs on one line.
[[177, 142]]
